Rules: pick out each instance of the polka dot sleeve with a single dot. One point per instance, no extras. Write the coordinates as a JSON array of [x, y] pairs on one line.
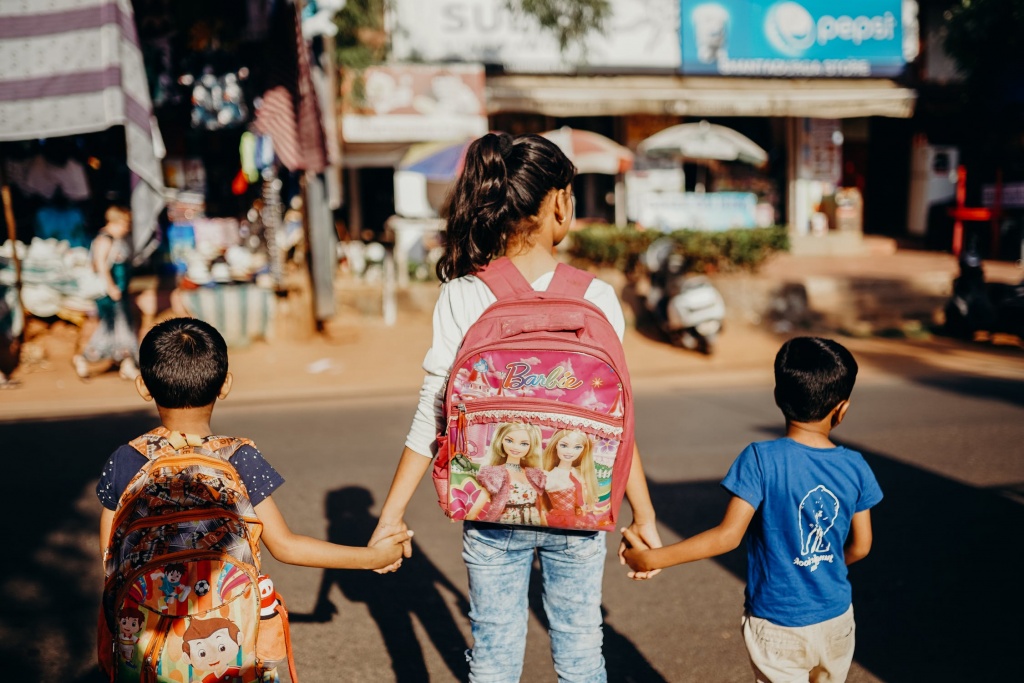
[[258, 475]]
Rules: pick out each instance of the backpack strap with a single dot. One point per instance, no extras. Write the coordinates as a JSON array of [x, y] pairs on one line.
[[570, 282], [503, 278], [161, 441]]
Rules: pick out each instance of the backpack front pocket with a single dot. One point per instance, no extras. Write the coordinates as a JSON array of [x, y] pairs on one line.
[[533, 462]]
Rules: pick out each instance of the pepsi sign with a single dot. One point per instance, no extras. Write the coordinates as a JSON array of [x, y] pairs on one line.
[[792, 38]]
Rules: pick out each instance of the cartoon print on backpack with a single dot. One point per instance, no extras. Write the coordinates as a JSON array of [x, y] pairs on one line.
[[513, 476], [563, 376], [129, 624], [571, 479], [214, 646], [170, 584]]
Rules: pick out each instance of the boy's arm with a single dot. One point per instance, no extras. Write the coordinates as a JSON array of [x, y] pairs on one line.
[[721, 539], [858, 545], [644, 526], [292, 548], [106, 521]]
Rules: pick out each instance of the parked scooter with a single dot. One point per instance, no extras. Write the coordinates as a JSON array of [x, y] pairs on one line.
[[687, 306], [977, 306]]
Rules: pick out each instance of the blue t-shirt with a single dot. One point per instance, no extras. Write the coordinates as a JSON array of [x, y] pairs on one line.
[[258, 475], [805, 500]]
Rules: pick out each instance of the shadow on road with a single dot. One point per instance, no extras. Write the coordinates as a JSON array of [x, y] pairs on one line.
[[938, 599], [392, 599], [50, 586], [917, 368]]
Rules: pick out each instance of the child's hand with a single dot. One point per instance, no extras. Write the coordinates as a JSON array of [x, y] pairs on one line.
[[113, 292], [635, 541], [393, 547]]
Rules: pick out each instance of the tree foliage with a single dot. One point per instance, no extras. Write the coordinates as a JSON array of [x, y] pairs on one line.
[[569, 20], [983, 36], [361, 41]]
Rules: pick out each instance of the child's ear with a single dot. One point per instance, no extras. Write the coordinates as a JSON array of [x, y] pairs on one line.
[[839, 413], [140, 386], [225, 388], [563, 206]]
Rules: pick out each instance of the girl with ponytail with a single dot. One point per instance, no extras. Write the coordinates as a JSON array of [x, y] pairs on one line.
[[514, 199]]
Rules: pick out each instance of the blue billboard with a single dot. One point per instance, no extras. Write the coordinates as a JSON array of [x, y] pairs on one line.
[[792, 38]]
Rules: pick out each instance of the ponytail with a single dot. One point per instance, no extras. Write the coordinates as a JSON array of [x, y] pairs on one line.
[[503, 182]]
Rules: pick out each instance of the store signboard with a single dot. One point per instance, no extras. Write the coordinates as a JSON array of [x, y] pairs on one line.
[[710, 211], [792, 38], [414, 103], [638, 35]]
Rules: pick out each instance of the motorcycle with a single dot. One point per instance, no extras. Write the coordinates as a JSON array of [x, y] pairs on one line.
[[977, 306], [686, 306]]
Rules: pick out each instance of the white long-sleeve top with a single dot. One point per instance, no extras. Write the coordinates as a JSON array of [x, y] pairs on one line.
[[459, 304]]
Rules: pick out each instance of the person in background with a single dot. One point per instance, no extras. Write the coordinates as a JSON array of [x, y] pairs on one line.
[[114, 338]]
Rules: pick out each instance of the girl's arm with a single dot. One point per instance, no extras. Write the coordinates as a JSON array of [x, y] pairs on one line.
[[411, 468], [717, 541], [858, 545], [643, 527], [306, 551]]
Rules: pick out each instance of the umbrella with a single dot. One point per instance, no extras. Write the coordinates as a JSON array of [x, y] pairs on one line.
[[591, 152], [438, 161], [703, 140]]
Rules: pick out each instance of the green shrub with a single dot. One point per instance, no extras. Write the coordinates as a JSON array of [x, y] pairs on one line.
[[609, 246]]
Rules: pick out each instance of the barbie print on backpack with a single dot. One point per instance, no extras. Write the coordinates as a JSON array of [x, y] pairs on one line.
[[507, 211]]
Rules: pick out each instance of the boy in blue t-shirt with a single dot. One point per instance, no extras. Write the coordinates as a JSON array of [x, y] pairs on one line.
[[806, 504]]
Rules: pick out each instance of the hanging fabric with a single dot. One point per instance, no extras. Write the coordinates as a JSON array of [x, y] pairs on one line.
[[45, 94]]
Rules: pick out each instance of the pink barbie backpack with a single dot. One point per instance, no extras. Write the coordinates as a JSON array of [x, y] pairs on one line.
[[539, 388]]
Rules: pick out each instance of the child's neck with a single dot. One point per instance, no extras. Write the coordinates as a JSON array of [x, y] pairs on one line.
[[194, 421], [812, 434], [533, 260]]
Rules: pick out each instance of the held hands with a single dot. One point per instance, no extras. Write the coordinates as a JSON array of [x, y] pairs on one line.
[[637, 539], [113, 292], [397, 533], [393, 547]]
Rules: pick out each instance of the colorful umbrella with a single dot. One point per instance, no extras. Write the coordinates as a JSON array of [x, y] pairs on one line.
[[591, 152], [438, 161]]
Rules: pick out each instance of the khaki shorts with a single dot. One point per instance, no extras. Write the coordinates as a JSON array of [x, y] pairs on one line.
[[819, 653]]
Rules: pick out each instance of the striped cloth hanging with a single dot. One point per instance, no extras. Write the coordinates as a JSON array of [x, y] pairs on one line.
[[73, 67]]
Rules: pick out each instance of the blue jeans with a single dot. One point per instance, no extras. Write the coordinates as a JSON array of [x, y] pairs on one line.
[[499, 559]]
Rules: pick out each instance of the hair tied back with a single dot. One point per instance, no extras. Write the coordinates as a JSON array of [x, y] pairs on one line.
[[504, 144]]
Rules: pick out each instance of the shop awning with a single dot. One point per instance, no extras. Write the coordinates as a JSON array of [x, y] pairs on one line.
[[563, 96], [72, 68]]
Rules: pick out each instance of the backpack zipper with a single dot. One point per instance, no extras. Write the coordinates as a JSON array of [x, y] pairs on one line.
[[156, 645], [544, 410], [185, 556], [184, 462]]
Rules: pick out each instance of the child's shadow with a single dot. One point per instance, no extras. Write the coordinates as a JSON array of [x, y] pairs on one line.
[[392, 599]]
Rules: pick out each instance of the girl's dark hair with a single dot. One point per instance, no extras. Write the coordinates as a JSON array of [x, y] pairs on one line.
[[184, 362], [812, 376], [503, 183]]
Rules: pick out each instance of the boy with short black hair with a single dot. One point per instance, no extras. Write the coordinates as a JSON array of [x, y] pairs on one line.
[[813, 500], [184, 370]]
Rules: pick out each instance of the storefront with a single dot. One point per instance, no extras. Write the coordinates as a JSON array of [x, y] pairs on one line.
[[204, 120], [797, 78]]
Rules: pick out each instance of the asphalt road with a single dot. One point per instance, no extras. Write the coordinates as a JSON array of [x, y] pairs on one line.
[[938, 599]]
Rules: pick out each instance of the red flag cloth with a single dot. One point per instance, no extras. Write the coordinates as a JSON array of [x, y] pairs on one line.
[[290, 113]]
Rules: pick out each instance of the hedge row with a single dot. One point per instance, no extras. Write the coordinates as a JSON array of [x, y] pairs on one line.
[[621, 248]]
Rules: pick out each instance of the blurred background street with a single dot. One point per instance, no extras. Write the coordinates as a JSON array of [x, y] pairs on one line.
[[279, 169]]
